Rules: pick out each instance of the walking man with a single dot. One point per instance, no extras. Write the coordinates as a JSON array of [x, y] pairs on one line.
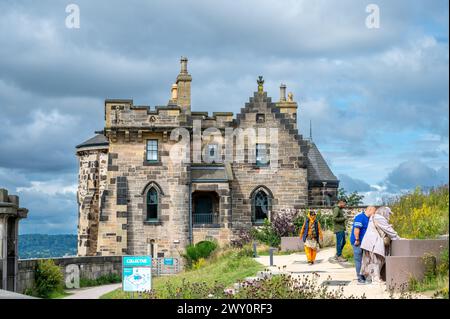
[[339, 222], [360, 223]]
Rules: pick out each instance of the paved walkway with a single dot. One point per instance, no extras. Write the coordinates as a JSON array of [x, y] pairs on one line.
[[297, 265], [91, 292]]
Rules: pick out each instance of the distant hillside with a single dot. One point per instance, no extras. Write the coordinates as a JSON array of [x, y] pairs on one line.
[[44, 246]]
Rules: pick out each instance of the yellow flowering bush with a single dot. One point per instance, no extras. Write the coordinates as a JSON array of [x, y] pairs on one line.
[[420, 214]]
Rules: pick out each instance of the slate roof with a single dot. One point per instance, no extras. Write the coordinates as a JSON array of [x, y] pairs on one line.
[[318, 169], [97, 140], [211, 173]]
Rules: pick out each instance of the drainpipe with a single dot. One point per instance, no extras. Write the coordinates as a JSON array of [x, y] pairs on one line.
[[190, 213]]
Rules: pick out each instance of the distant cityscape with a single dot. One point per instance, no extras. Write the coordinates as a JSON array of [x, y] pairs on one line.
[[45, 246]]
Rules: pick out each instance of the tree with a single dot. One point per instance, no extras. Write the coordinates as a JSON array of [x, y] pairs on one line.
[[353, 199]]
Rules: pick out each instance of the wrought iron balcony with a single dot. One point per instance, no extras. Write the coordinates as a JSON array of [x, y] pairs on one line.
[[199, 219]]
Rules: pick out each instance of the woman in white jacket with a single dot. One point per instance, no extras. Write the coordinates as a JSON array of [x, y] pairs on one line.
[[375, 243]]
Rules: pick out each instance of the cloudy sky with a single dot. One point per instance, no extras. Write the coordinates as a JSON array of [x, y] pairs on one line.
[[377, 97]]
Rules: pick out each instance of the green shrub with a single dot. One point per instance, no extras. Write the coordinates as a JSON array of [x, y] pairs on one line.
[[48, 278], [205, 248], [102, 280], [442, 266], [246, 251], [266, 234], [202, 249]]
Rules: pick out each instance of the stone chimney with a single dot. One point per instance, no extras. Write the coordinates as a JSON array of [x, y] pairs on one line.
[[173, 94], [283, 92], [288, 106], [183, 83]]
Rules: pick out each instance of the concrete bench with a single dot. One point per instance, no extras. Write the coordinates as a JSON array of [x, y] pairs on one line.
[[291, 244]]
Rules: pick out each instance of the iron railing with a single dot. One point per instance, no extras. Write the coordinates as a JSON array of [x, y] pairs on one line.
[[204, 218]]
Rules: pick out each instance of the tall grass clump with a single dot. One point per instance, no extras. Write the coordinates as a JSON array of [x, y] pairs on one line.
[[420, 214]]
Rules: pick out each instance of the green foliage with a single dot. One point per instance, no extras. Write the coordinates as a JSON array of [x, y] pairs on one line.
[[435, 278], [266, 234], [202, 249], [288, 287], [48, 279], [269, 233], [353, 199], [325, 220], [245, 251], [275, 287], [222, 269], [102, 280], [421, 214]]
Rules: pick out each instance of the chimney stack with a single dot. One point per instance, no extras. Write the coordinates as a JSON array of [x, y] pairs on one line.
[[283, 92], [183, 83]]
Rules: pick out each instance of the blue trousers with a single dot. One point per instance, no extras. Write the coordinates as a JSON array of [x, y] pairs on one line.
[[340, 242], [357, 257]]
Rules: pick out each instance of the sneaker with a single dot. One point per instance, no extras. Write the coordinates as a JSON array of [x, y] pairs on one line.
[[341, 259], [333, 259], [361, 281]]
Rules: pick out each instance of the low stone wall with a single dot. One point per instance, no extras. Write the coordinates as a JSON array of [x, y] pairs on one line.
[[222, 235], [410, 258], [90, 268]]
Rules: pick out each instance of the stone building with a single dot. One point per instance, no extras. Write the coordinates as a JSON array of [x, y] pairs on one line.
[[10, 214], [142, 190]]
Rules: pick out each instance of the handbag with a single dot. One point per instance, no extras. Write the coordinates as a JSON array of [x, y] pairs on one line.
[[386, 239]]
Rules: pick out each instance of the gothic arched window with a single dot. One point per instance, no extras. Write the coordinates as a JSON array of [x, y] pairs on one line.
[[152, 204], [261, 205]]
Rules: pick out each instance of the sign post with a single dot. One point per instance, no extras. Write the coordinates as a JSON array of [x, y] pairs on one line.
[[136, 273]]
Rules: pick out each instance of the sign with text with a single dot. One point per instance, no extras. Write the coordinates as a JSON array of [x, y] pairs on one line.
[[136, 273]]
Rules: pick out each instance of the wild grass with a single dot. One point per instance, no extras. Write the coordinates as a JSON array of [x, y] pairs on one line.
[[222, 268]]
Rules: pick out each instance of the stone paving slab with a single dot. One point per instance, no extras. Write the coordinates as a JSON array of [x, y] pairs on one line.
[[326, 271]]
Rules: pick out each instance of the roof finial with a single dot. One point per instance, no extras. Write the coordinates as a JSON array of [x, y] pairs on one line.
[[310, 130], [260, 82]]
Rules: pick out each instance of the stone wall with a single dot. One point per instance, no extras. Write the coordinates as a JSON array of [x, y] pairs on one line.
[[286, 182], [123, 225], [90, 267], [91, 184], [350, 211]]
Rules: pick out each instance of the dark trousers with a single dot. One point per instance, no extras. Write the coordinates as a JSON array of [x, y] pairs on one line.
[[340, 242]]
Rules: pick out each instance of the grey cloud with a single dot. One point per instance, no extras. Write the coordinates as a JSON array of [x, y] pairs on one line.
[[353, 184], [356, 85], [411, 174]]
